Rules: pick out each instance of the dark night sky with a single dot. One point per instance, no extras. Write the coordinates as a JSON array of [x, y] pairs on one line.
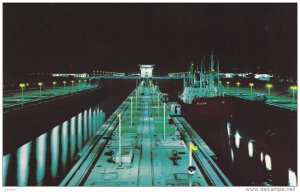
[[117, 37]]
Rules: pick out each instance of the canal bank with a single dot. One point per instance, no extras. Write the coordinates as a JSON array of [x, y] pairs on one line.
[[34, 120], [45, 155]]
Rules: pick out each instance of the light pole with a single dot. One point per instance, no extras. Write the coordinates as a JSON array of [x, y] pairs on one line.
[[158, 104], [191, 168], [293, 88], [165, 121], [269, 86], [85, 83], [220, 86], [136, 94], [227, 83], [72, 84], [64, 82], [238, 84], [22, 85], [40, 84], [192, 148], [131, 110], [120, 140], [251, 85], [54, 83], [79, 84]]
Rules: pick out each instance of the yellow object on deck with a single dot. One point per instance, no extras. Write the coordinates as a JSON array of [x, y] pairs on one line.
[[193, 147]]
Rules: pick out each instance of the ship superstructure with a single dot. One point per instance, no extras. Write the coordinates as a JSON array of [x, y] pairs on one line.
[[201, 83], [202, 95]]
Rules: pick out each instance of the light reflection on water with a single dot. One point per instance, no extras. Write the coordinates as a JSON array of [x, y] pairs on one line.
[[90, 123], [260, 161], [261, 157], [268, 162], [79, 132], [237, 139], [85, 126], [250, 148], [64, 142], [23, 156], [6, 160], [232, 155], [292, 178], [46, 159], [228, 129], [229, 132], [54, 151], [72, 137], [41, 158]]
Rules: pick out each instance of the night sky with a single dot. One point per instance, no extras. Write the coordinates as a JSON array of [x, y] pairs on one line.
[[117, 37]]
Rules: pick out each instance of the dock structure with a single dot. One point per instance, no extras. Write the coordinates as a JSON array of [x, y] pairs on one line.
[[154, 149]]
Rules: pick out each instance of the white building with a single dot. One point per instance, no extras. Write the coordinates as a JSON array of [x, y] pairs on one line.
[[146, 70]]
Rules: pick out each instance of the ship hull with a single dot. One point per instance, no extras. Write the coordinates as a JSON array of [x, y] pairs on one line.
[[215, 107]]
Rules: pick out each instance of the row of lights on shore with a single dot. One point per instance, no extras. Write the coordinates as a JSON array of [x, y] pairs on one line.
[[269, 86], [107, 72], [40, 84], [54, 83]]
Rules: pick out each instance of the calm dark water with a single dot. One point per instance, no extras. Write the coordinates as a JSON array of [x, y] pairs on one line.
[[47, 159], [255, 146]]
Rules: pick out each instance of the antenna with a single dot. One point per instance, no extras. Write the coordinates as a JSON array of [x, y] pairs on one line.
[[204, 63]]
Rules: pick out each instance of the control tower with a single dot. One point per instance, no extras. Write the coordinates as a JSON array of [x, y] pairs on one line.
[[146, 70]]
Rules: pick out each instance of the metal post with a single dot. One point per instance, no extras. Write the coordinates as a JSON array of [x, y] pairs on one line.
[[131, 109], [120, 140], [293, 96], [190, 163], [64, 88], [158, 104], [23, 97], [164, 121], [40, 91], [136, 93], [190, 156]]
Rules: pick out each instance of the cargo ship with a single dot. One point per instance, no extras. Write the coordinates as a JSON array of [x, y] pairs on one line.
[[202, 93]]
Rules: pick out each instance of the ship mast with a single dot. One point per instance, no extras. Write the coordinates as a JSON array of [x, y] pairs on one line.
[[218, 76], [211, 75], [212, 62], [204, 72], [201, 75]]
